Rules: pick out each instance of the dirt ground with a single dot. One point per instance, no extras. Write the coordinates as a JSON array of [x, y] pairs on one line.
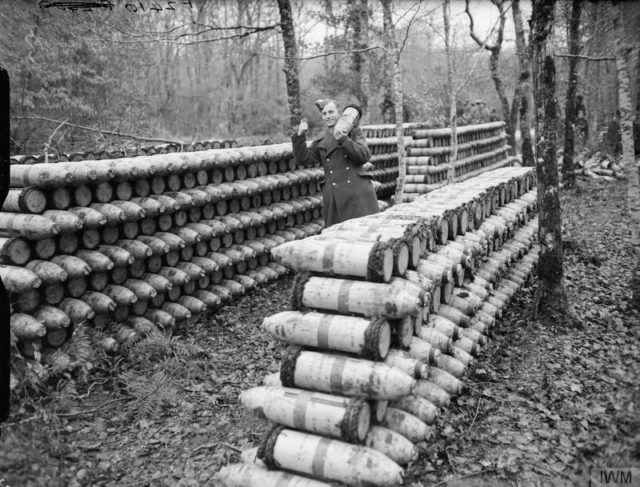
[[542, 405]]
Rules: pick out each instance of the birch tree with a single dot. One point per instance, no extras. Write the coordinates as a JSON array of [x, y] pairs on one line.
[[524, 85], [446, 16], [551, 298], [568, 176], [359, 20], [290, 62], [494, 66], [636, 122], [628, 158], [393, 53], [5, 336]]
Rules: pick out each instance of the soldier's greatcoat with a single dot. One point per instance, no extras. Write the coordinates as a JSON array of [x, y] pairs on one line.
[[346, 194]]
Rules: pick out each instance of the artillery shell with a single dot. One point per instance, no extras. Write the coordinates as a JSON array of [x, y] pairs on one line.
[[336, 416]]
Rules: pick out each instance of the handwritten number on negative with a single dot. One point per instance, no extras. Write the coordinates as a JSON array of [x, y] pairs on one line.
[[130, 6], [75, 6]]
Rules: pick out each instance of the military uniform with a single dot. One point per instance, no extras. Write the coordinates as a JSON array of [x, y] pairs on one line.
[[346, 194]]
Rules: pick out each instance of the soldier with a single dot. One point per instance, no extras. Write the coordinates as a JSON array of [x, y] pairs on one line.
[[483, 111], [342, 153]]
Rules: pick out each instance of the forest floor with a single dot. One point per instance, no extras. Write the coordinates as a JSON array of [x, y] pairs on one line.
[[542, 405]]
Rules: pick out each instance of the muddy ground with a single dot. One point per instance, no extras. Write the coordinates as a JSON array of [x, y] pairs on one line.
[[542, 404]]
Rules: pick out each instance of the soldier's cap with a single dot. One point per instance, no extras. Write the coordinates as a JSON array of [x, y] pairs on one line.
[[323, 102]]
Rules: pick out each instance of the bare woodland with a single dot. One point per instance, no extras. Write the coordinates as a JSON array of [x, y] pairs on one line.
[[216, 70], [554, 394]]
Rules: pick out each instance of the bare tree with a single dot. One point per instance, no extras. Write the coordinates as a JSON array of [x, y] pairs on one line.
[[636, 122], [393, 53], [494, 66], [446, 16], [290, 62], [551, 299], [628, 158], [5, 335], [361, 64], [524, 86], [568, 176]]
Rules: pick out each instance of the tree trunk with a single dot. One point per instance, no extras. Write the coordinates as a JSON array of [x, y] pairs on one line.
[[290, 62], [365, 65], [397, 99], [5, 336], [628, 158], [636, 122], [494, 67], [568, 176], [387, 108], [446, 15], [551, 298], [525, 83], [353, 29], [513, 114], [358, 19], [393, 55]]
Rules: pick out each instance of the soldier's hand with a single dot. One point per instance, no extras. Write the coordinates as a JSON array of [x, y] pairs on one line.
[[367, 166], [303, 127]]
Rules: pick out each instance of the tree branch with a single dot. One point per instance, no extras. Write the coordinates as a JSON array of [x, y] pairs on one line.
[[313, 56], [406, 35], [174, 40], [418, 3], [91, 411], [472, 31], [503, 18], [48, 144], [500, 21], [588, 58], [147, 33], [437, 31], [208, 27], [91, 129]]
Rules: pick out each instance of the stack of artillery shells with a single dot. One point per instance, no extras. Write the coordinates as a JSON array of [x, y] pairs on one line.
[[398, 341], [429, 159], [383, 144], [87, 155], [136, 246]]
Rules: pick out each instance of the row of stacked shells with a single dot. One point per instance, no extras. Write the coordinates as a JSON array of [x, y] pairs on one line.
[[377, 349], [142, 245], [147, 260], [166, 148], [480, 148]]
